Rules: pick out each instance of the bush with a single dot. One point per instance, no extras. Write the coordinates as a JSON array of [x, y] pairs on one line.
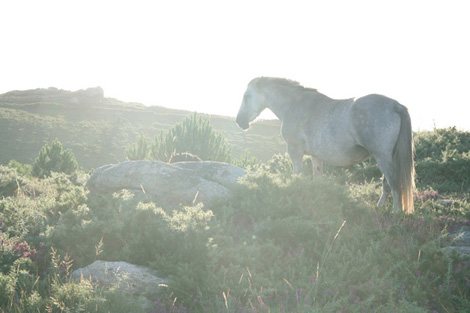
[[35, 216], [430, 144], [247, 161], [443, 159], [23, 169], [194, 135], [11, 182], [138, 151], [176, 243], [54, 159]]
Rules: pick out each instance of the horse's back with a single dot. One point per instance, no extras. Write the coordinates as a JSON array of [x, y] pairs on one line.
[[375, 105]]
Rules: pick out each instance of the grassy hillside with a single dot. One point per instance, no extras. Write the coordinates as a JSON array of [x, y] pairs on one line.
[[99, 129]]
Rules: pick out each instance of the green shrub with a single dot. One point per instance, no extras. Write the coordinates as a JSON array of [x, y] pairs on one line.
[[74, 297], [139, 150], [449, 173], [11, 181], [122, 228], [54, 159], [7, 288], [30, 213], [443, 159], [194, 135], [247, 161], [23, 169], [430, 144]]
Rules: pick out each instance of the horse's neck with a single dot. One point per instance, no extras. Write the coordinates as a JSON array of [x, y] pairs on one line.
[[279, 101], [283, 101]]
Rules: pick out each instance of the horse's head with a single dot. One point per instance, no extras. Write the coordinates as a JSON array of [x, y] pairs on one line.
[[252, 105]]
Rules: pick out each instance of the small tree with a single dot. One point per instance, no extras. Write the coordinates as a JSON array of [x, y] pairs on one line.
[[194, 135], [247, 161], [54, 159], [138, 151]]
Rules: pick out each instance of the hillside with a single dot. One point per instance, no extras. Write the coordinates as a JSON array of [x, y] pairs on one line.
[[99, 129]]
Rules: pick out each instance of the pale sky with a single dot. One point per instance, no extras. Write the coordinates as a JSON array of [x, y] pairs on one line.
[[199, 55]]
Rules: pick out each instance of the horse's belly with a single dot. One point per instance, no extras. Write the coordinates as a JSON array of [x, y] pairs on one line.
[[342, 156]]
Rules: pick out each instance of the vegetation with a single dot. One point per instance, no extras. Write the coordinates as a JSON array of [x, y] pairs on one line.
[[283, 243], [54, 159], [99, 130], [444, 159], [194, 135], [139, 150]]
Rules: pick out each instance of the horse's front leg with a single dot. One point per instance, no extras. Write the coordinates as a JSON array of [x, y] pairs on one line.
[[296, 155]]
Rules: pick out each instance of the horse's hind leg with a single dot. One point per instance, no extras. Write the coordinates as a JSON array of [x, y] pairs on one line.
[[385, 192], [387, 167]]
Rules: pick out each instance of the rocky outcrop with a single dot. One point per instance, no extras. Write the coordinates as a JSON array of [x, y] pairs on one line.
[[136, 281], [460, 241], [168, 185]]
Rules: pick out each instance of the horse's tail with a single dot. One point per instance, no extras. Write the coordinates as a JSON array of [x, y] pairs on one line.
[[403, 159]]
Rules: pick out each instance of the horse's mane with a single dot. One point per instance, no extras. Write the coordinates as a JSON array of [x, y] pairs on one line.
[[280, 82]]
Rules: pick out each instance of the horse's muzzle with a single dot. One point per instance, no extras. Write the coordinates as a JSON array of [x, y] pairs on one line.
[[243, 124]]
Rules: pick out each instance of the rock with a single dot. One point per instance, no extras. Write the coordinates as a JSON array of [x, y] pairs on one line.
[[461, 237], [168, 185], [446, 202], [136, 281], [184, 157], [460, 241], [463, 251]]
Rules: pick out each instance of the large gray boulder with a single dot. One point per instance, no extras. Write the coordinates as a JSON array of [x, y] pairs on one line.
[[168, 185], [139, 282]]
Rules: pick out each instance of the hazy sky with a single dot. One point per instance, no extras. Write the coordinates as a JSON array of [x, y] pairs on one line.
[[199, 55]]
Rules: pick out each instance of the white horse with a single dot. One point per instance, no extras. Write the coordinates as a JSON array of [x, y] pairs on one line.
[[339, 132]]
